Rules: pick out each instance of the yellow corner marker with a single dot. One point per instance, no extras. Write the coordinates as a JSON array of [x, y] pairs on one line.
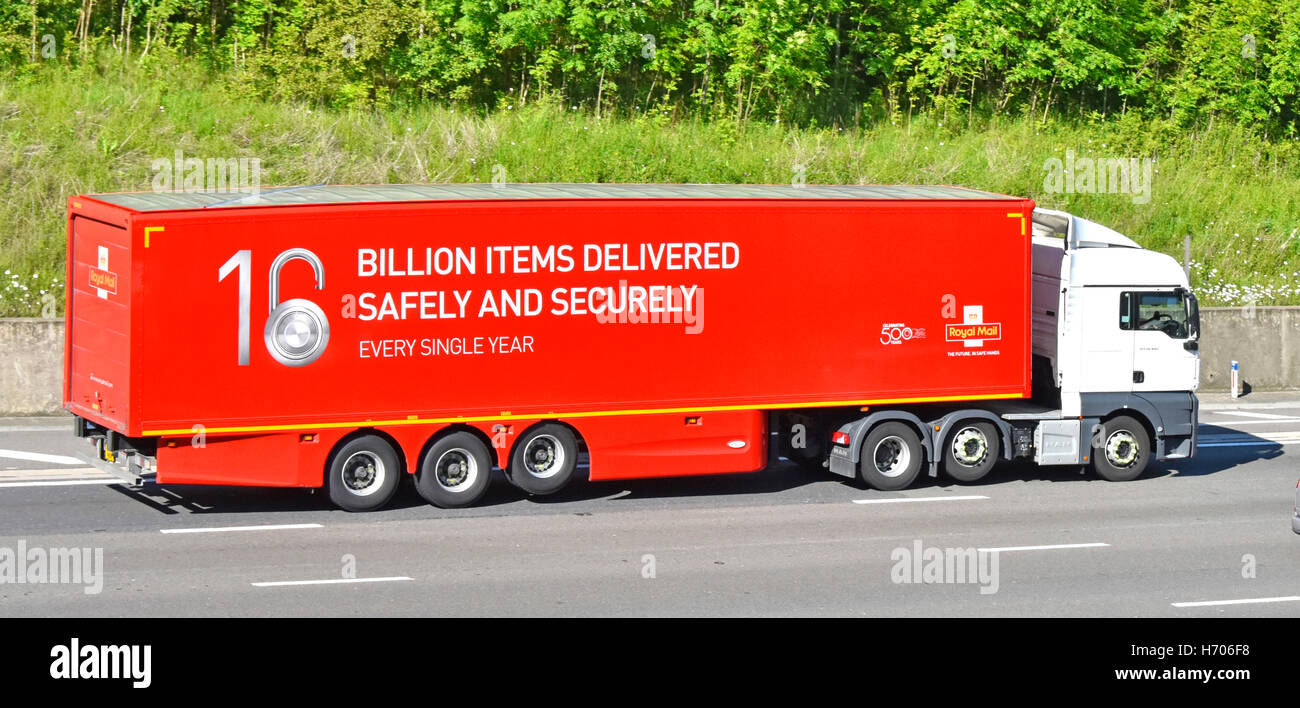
[[1018, 215], [147, 231]]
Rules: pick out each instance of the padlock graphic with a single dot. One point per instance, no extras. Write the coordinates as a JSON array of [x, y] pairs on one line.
[[296, 330]]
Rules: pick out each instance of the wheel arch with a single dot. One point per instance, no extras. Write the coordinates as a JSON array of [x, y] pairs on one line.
[[859, 429], [1108, 406], [1156, 440]]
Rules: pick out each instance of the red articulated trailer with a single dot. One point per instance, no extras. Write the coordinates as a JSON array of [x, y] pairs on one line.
[[340, 337]]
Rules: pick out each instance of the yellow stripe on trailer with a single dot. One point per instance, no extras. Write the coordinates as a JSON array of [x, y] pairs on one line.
[[581, 414]]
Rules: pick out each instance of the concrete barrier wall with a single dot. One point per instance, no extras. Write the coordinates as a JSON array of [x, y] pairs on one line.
[[1265, 342], [31, 366]]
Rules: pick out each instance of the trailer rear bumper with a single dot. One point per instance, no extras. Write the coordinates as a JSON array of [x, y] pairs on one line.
[[129, 459], [128, 468]]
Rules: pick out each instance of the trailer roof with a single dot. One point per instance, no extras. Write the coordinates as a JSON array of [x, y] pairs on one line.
[[325, 194]]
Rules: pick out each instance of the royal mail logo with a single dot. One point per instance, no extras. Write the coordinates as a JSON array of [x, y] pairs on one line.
[[973, 330], [103, 280], [964, 332]]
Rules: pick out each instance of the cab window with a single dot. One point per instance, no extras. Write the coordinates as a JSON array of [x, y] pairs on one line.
[[1154, 312]]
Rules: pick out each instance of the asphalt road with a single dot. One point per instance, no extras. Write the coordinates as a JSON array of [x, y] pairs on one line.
[[1214, 529]]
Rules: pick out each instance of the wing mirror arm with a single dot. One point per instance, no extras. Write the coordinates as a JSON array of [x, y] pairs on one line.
[[1193, 318]]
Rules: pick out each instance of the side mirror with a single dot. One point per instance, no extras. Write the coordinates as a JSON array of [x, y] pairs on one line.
[[1193, 316]]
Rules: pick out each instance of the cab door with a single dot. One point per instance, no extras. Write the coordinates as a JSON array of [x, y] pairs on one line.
[[1165, 356]]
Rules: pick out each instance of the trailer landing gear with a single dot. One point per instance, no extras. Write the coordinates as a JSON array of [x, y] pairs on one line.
[[802, 440]]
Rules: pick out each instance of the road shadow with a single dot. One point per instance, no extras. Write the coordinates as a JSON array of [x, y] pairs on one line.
[[1232, 450], [1223, 449], [780, 476], [174, 499]]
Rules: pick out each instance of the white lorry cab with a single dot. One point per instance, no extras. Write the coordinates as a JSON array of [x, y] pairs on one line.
[[1115, 367], [1115, 330]]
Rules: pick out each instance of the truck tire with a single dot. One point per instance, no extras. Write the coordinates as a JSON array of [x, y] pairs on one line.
[[363, 474], [891, 457], [971, 451], [1121, 450], [456, 471], [544, 459]]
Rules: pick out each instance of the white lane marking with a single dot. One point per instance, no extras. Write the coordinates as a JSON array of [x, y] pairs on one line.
[[280, 583], [1247, 442], [268, 527], [67, 428], [62, 482], [915, 499], [1043, 548], [1248, 439], [41, 457], [1248, 601], [1235, 423], [1256, 443], [1249, 414], [1248, 406], [16, 474], [1276, 435]]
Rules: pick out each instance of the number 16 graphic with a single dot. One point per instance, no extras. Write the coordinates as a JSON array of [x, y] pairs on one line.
[[296, 330]]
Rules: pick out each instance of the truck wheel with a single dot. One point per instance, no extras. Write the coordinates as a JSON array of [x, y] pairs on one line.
[[456, 471], [891, 457], [1121, 450], [971, 451], [544, 459], [363, 474]]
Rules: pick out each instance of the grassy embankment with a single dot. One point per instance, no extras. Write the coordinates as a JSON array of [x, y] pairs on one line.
[[65, 131]]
